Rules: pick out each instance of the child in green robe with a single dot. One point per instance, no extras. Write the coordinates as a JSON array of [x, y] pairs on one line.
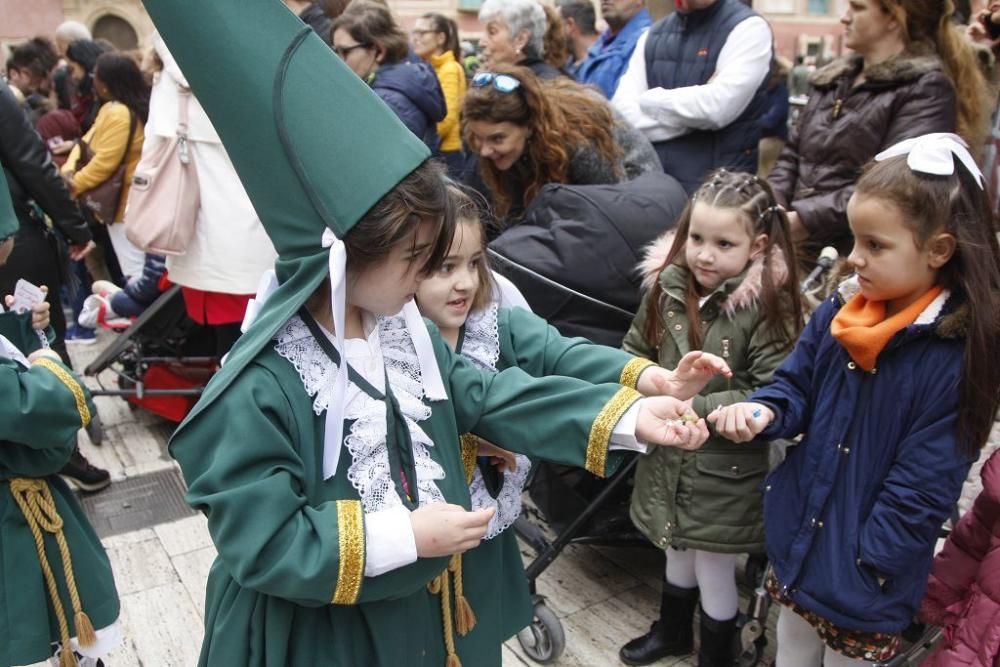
[[485, 318], [56, 584], [325, 452]]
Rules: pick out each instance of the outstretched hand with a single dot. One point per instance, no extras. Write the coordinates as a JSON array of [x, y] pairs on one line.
[[694, 371], [666, 421], [741, 422], [441, 529]]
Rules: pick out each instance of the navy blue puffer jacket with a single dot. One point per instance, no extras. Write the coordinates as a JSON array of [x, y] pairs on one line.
[[411, 89], [863, 496]]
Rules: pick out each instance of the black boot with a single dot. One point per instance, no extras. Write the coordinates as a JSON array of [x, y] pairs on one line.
[[83, 474], [718, 641], [671, 635]]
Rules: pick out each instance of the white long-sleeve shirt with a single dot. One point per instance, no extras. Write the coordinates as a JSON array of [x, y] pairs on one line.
[[662, 114]]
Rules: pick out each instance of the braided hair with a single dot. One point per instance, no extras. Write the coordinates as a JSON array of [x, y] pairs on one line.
[[780, 304]]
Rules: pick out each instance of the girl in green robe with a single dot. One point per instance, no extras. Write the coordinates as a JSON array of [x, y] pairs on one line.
[[485, 318], [325, 452], [57, 592]]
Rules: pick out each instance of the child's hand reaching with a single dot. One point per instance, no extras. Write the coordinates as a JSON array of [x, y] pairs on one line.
[[664, 420], [687, 380], [39, 312], [440, 529], [741, 422]]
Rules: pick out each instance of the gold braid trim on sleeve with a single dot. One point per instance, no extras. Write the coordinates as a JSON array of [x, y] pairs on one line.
[[604, 425], [470, 449], [351, 525], [67, 379], [632, 371]]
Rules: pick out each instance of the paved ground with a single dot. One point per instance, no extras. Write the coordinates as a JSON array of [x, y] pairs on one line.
[[603, 596]]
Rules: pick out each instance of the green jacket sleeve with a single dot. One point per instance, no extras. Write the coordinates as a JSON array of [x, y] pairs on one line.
[[43, 408], [247, 476], [765, 353], [540, 350], [560, 419]]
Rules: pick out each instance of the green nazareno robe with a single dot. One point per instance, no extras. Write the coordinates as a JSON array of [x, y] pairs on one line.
[[43, 407], [497, 339], [288, 587]]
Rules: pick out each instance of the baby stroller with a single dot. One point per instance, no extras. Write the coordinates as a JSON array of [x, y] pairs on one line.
[[161, 362], [574, 258]]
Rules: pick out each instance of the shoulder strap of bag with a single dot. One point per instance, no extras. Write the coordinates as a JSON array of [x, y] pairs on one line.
[[128, 144]]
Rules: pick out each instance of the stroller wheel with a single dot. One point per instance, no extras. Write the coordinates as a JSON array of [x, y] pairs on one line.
[[752, 656], [543, 640], [95, 429]]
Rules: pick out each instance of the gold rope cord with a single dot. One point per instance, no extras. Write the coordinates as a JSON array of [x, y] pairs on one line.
[[67, 379], [34, 498], [470, 448]]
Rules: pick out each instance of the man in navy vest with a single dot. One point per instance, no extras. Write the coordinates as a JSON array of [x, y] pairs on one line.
[[696, 85], [608, 57]]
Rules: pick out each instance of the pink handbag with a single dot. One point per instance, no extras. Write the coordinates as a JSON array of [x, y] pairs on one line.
[[165, 197]]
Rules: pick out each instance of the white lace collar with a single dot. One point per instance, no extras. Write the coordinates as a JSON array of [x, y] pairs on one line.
[[369, 471]]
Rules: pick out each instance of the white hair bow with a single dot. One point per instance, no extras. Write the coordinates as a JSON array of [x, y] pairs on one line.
[[934, 154]]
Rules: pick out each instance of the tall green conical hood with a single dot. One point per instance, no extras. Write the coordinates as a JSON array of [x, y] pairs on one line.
[[8, 220], [313, 145]]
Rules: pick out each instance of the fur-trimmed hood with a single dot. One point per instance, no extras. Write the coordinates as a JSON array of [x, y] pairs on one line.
[[948, 316], [746, 295], [915, 61]]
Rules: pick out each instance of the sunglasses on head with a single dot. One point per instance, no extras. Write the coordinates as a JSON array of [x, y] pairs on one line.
[[505, 83]]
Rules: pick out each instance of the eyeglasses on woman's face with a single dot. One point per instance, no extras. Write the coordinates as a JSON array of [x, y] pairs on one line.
[[505, 83], [344, 51]]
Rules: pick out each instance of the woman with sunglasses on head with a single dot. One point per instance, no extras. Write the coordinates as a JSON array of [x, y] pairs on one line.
[[371, 43], [435, 39], [528, 132]]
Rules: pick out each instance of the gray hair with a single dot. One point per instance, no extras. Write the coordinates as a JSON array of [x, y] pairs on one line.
[[582, 12], [520, 16], [70, 31]]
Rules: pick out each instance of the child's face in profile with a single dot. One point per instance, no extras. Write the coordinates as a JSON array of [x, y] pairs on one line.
[[719, 245], [891, 267], [446, 296], [5, 249], [384, 288]]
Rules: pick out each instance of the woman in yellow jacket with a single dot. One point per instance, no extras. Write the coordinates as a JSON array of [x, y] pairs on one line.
[[119, 82], [435, 39]]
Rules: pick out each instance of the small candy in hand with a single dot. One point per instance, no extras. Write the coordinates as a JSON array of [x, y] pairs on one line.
[[690, 418], [756, 413]]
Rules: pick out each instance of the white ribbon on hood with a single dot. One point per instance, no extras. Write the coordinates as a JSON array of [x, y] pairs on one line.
[[433, 385], [934, 154]]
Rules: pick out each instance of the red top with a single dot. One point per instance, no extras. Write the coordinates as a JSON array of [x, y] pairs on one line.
[[209, 308]]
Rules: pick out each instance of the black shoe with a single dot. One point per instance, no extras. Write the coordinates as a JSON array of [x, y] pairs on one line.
[[718, 640], [671, 635], [83, 475]]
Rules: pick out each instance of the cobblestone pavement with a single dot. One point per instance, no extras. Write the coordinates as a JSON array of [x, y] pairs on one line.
[[603, 596]]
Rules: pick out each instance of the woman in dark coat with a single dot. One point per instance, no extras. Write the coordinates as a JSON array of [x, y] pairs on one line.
[[371, 43], [910, 74]]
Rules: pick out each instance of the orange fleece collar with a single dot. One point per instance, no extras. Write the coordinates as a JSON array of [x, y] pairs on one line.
[[863, 329]]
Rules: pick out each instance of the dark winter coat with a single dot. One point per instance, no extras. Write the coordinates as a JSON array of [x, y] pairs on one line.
[[963, 593], [864, 494], [32, 176], [709, 499], [843, 127], [412, 91]]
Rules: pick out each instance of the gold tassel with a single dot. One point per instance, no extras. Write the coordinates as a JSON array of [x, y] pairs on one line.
[[85, 634], [465, 618], [453, 661]]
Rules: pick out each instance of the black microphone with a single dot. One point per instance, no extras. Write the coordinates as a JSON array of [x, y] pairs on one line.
[[828, 256]]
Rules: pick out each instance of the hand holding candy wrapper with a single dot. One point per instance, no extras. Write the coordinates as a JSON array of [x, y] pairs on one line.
[[693, 372], [664, 420], [741, 422], [29, 297]]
